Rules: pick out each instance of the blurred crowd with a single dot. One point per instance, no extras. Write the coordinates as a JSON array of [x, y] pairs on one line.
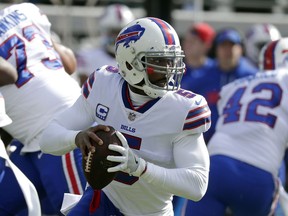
[[213, 59]]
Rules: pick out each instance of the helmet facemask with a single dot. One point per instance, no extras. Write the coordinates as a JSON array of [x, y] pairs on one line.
[[168, 68]]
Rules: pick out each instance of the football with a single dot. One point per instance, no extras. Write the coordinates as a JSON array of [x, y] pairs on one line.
[[96, 165]]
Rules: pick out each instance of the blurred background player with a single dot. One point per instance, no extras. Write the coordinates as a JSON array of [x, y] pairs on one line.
[[42, 90], [249, 144], [256, 37], [114, 18], [196, 44], [272, 56], [28, 189], [165, 153], [8, 75], [229, 64]]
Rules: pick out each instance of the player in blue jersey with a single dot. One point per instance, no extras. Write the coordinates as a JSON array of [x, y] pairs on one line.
[[249, 144], [160, 125], [43, 88]]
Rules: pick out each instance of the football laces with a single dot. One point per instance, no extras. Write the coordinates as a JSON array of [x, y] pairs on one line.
[[88, 162]]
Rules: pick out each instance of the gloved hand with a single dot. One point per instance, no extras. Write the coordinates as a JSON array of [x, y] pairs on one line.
[[129, 162]]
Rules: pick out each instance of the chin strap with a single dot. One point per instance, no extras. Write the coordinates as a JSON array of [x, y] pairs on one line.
[[153, 93]]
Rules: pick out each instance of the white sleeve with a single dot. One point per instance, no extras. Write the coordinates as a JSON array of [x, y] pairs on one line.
[[59, 136], [190, 179]]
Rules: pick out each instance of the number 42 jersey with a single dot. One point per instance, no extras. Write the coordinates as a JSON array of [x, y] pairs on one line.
[[253, 120]]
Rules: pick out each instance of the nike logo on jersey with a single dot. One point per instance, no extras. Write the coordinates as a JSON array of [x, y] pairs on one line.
[[198, 102], [40, 155]]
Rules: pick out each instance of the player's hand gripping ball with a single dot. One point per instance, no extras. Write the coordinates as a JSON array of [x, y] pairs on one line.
[[96, 165]]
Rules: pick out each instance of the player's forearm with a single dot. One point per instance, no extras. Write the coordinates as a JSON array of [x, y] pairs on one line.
[[190, 183], [8, 73], [57, 140], [67, 57]]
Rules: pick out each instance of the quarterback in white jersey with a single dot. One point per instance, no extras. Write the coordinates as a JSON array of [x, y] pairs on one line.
[[43, 89], [248, 147], [161, 123]]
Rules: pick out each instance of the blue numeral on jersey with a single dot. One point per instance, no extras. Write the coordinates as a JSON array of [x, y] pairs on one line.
[[232, 109], [122, 177], [16, 43], [274, 101], [31, 32]]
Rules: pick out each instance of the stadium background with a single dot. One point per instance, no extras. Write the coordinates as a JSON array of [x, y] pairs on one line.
[[75, 20]]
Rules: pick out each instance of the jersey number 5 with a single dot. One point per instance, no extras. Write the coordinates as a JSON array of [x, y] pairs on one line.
[[134, 143], [231, 111]]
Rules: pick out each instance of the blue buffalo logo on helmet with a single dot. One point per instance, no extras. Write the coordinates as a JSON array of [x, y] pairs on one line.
[[131, 34]]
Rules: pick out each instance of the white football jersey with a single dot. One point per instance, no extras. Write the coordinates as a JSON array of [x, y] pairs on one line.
[[43, 88], [150, 131], [253, 120]]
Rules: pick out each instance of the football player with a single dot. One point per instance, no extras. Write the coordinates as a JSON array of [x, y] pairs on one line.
[[160, 125], [272, 56], [43, 89], [256, 37], [28, 189], [249, 144], [114, 18]]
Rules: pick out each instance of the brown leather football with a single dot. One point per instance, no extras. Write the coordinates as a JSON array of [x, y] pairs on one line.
[[96, 165]]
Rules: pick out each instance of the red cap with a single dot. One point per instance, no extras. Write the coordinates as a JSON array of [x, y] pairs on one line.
[[204, 31]]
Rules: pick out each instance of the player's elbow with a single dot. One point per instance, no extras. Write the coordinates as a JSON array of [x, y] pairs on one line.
[[47, 144], [198, 194], [199, 185]]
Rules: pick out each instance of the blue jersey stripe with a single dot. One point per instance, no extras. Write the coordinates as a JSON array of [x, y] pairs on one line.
[[197, 123], [196, 112], [85, 90]]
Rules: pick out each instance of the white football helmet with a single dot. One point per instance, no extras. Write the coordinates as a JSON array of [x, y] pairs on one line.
[[274, 55], [115, 17], [150, 45], [256, 37]]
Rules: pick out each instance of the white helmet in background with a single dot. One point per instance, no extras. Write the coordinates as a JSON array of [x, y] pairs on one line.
[[115, 17], [256, 37], [150, 45], [274, 55]]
